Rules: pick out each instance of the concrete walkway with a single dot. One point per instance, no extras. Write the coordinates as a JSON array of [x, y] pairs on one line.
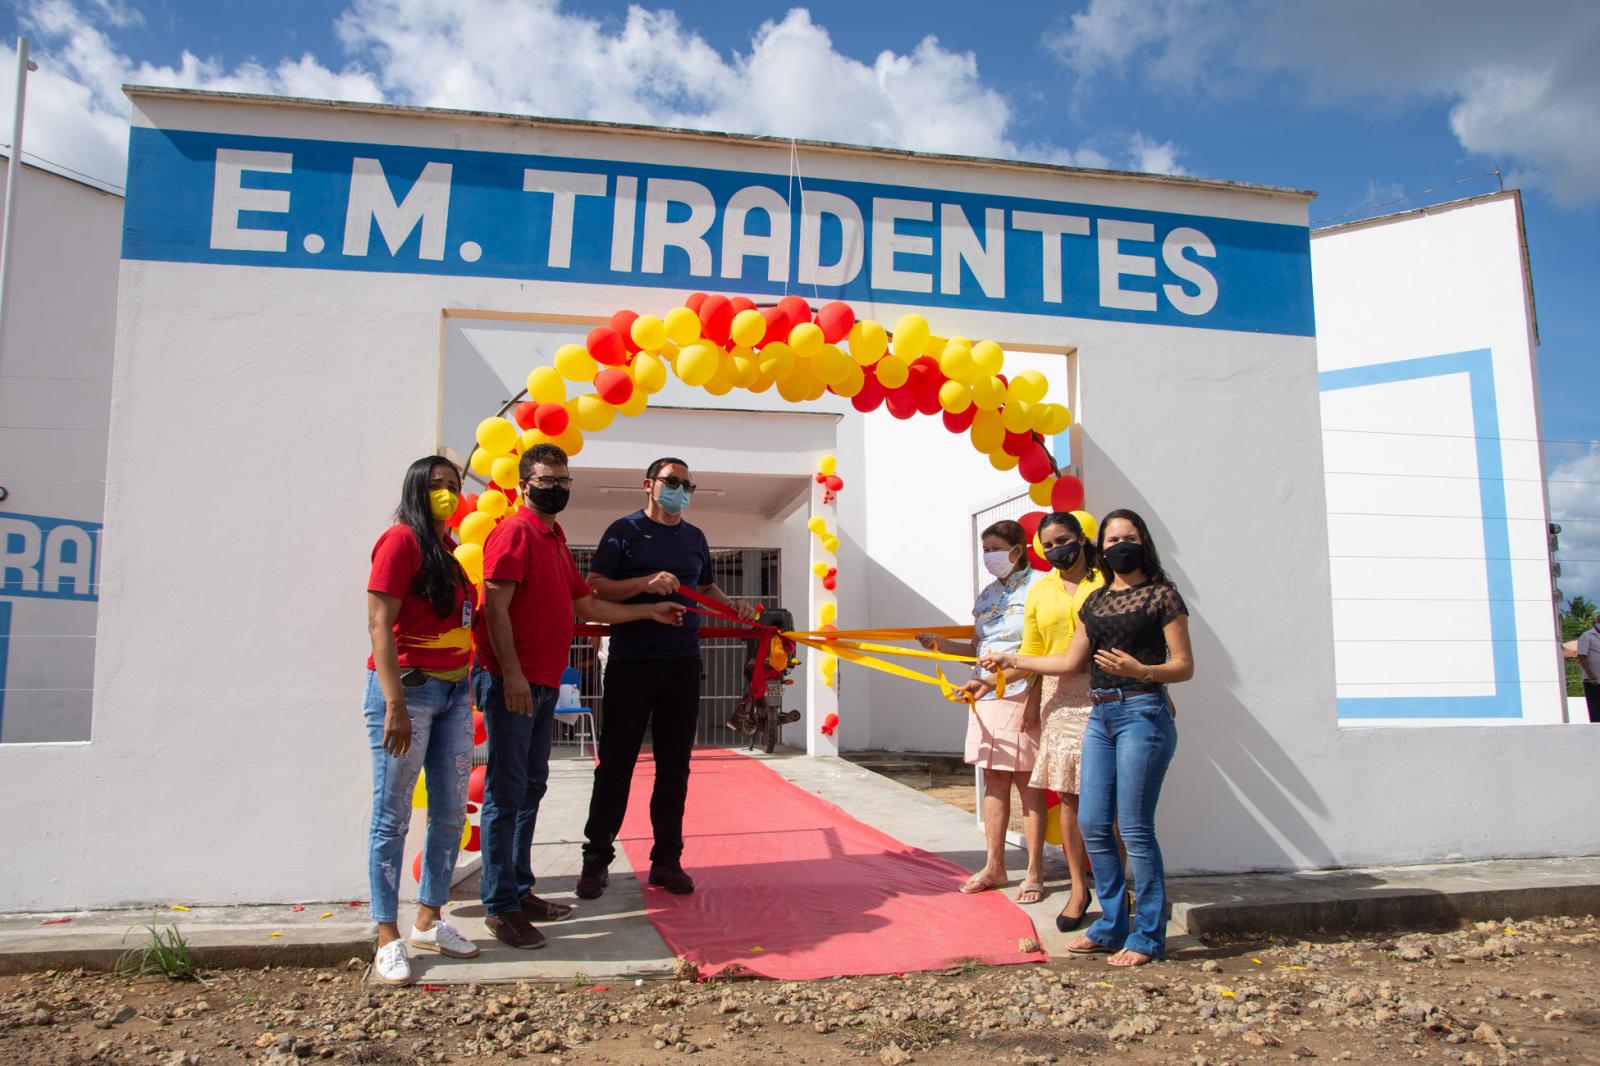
[[611, 939]]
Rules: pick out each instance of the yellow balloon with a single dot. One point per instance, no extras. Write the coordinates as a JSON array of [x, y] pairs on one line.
[[762, 383], [592, 413], [574, 363], [777, 360], [749, 326], [721, 382], [828, 613], [635, 405], [1029, 386], [496, 435], [806, 339], [503, 471], [892, 371], [530, 437], [987, 431], [570, 441], [910, 337], [1087, 523], [955, 397], [493, 504], [649, 332], [988, 393], [830, 544], [854, 381], [470, 556], [1039, 417], [828, 465], [831, 365], [796, 388], [1058, 421], [820, 569], [868, 342], [1039, 491], [956, 362], [817, 524], [482, 462], [546, 386], [1003, 461], [475, 528], [697, 362], [989, 357], [419, 794], [683, 326], [817, 388], [1017, 416], [649, 373], [743, 367]]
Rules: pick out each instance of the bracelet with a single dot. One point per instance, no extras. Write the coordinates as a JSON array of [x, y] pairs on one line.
[[1149, 674]]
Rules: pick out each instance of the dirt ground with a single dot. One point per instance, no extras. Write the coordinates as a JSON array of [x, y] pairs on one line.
[[1492, 992]]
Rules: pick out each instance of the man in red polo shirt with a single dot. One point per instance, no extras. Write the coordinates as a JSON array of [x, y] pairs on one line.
[[521, 640]]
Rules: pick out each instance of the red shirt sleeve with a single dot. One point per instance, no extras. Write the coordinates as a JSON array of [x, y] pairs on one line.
[[575, 581], [505, 553], [395, 562]]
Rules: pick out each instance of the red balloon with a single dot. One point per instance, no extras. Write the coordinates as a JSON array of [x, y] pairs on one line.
[[836, 319], [834, 482], [463, 508], [902, 402], [830, 583], [741, 303], [480, 728], [475, 781], [1030, 522], [870, 396], [716, 316], [552, 419], [796, 308], [694, 301], [605, 344], [622, 322], [1036, 465], [1067, 494], [416, 868], [524, 415], [962, 422], [821, 478], [473, 842], [1037, 561], [1016, 443], [778, 324], [829, 724], [833, 571], [614, 387]]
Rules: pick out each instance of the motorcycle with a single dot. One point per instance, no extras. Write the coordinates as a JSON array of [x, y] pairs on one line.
[[770, 660]]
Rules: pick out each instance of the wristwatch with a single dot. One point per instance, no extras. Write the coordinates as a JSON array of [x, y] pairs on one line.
[[1149, 674]]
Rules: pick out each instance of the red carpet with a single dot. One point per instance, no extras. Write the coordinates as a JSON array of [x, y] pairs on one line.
[[789, 886]]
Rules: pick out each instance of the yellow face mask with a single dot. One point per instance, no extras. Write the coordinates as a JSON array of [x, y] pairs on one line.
[[443, 503]]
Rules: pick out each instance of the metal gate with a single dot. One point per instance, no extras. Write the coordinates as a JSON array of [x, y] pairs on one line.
[[744, 573]]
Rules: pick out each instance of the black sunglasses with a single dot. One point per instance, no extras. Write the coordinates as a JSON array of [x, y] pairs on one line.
[[677, 483]]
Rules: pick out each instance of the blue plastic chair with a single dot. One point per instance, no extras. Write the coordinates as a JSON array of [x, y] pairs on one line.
[[570, 711]]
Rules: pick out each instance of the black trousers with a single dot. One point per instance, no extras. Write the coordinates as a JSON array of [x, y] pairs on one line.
[[1591, 696], [665, 695]]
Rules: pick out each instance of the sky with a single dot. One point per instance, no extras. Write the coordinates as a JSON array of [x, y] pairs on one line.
[[1376, 106]]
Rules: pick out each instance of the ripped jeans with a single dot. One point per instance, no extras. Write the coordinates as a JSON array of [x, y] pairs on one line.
[[441, 744]]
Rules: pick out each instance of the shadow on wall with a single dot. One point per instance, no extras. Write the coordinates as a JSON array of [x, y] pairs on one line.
[[1234, 798]]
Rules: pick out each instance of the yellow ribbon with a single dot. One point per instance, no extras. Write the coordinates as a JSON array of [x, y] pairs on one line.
[[852, 645]]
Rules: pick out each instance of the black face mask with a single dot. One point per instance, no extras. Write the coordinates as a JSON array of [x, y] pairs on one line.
[[1062, 556], [1125, 556], [550, 501]]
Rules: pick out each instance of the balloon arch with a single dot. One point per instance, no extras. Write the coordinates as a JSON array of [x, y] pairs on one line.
[[722, 343]]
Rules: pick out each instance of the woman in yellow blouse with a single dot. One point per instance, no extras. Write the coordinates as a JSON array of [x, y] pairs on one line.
[[1050, 617]]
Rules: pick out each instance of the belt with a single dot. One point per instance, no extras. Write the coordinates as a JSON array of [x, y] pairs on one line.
[[1098, 697]]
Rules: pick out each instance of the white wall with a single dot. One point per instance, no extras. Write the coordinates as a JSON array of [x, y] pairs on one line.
[[55, 403]]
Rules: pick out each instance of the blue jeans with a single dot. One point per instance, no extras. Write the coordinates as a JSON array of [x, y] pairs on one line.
[[519, 770], [1127, 746], [441, 744]]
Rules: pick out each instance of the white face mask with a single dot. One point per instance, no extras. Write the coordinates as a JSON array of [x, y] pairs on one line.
[[998, 563]]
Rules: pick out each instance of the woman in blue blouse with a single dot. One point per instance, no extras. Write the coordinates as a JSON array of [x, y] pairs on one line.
[[1003, 729]]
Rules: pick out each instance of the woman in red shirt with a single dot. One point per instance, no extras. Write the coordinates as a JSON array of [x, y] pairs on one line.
[[418, 710]]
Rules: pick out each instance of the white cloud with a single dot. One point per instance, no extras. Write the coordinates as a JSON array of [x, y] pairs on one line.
[[1574, 488], [1521, 80], [492, 55]]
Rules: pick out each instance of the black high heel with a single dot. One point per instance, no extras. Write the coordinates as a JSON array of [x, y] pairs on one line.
[[1067, 923]]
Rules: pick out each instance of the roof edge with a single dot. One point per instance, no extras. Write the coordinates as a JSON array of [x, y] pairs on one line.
[[261, 99], [1418, 212]]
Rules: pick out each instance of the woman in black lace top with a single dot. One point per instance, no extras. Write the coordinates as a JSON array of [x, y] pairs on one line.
[[1134, 641]]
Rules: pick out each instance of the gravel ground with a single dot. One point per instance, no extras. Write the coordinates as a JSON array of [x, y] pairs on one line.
[[1492, 992]]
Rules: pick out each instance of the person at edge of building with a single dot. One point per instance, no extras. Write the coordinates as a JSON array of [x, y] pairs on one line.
[[419, 711], [1049, 621], [1003, 728], [531, 590], [1589, 661], [652, 676], [1134, 638]]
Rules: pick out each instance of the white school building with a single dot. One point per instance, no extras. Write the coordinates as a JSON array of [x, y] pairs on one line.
[[1334, 437]]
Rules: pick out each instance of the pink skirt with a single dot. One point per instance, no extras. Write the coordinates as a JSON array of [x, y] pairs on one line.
[[996, 739]]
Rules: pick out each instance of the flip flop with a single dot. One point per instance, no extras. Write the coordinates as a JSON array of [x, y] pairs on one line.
[[1144, 960], [1092, 949], [976, 884], [1035, 887]]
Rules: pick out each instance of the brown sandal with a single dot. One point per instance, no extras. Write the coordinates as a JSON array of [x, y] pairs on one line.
[[1034, 888], [1091, 949], [976, 883]]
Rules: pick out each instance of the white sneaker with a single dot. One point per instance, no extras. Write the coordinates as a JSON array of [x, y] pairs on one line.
[[444, 938], [393, 964]]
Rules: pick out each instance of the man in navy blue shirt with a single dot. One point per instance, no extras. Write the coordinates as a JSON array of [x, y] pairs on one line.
[[652, 675]]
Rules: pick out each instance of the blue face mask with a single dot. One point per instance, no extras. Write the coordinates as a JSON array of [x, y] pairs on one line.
[[674, 501]]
